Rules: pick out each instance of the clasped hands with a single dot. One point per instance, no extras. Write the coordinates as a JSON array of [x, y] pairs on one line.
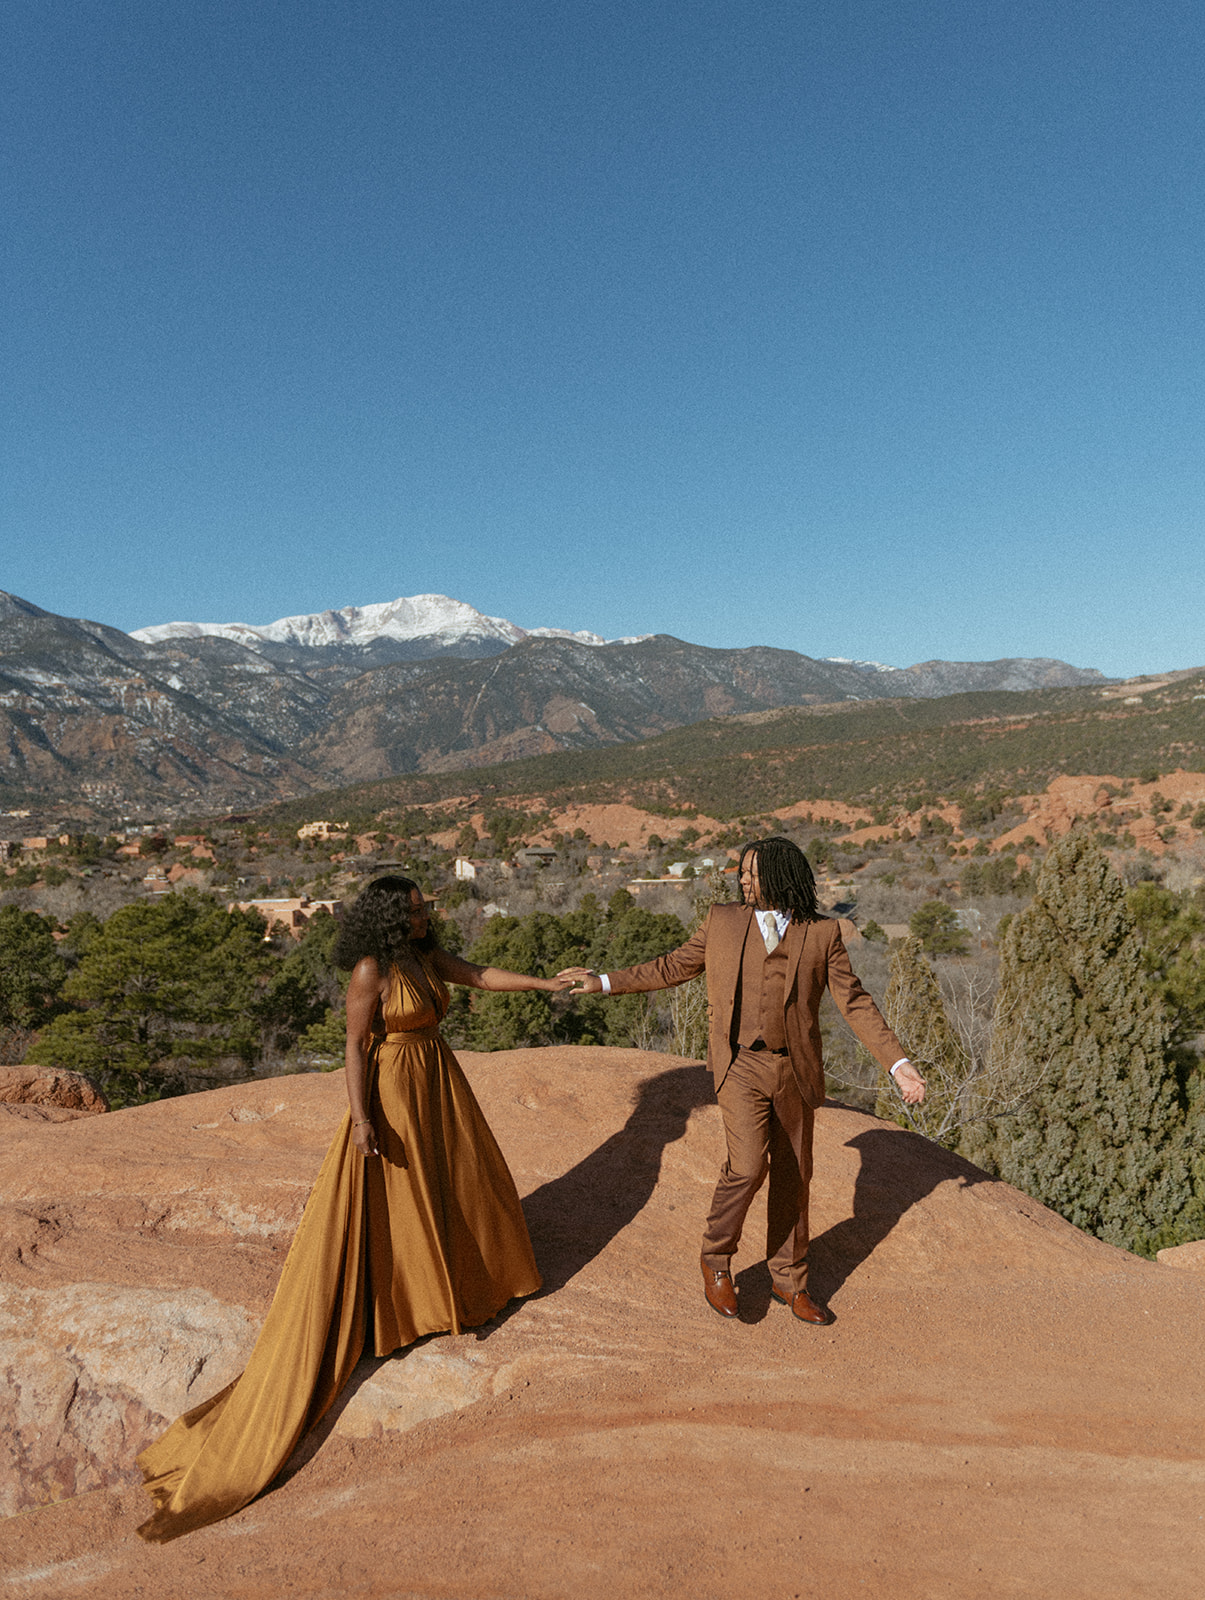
[[581, 980]]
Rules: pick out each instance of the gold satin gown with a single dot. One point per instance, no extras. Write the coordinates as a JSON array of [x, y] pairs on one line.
[[429, 1237]]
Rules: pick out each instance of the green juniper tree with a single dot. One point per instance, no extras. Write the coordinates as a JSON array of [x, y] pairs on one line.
[[936, 925], [1102, 1137], [539, 943], [167, 990], [31, 976], [544, 944]]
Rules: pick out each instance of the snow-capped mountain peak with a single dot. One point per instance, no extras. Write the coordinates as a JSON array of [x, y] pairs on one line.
[[434, 618], [862, 666]]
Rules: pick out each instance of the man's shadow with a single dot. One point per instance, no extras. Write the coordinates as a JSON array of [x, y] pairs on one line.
[[573, 1218], [898, 1169]]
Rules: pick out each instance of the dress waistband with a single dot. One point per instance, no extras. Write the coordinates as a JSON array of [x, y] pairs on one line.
[[414, 1036]]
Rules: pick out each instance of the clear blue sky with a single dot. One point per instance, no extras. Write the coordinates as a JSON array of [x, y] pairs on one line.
[[868, 329]]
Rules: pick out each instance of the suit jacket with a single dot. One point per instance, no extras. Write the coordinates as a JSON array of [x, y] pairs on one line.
[[816, 959]]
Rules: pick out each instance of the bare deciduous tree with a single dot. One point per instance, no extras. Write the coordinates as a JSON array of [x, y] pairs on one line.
[[961, 1040]]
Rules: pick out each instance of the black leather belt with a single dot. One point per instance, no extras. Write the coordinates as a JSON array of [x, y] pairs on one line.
[[760, 1044]]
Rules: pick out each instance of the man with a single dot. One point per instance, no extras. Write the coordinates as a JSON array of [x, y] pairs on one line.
[[768, 961]]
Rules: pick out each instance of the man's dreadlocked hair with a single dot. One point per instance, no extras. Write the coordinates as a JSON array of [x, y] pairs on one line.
[[377, 924], [784, 876]]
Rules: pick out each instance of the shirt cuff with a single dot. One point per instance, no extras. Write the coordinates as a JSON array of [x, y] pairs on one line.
[[605, 981], [902, 1062]]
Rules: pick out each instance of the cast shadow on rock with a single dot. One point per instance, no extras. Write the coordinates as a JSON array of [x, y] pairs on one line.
[[573, 1218], [898, 1170]]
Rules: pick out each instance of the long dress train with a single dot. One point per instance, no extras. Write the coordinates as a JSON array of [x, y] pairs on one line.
[[429, 1238]]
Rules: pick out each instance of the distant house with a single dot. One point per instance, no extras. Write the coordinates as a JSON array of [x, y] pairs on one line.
[[691, 869], [464, 869], [536, 856], [192, 877], [290, 914], [323, 830]]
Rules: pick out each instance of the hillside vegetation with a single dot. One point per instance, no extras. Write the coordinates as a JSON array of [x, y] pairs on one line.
[[879, 754]]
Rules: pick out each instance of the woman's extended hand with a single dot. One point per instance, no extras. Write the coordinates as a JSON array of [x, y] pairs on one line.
[[581, 980], [364, 1137]]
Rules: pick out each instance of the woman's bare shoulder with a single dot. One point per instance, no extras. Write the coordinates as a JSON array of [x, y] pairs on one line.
[[366, 974]]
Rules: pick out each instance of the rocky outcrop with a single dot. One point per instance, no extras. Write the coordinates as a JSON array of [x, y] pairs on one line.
[[91, 1369], [1001, 1406], [1187, 1257], [1158, 814], [49, 1094]]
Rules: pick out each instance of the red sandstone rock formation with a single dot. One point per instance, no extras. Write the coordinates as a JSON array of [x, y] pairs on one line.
[[1095, 799], [1002, 1406], [48, 1094]]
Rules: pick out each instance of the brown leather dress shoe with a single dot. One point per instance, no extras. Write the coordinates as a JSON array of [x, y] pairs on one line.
[[801, 1306], [720, 1292]]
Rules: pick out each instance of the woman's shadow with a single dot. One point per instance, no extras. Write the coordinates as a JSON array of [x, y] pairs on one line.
[[573, 1218]]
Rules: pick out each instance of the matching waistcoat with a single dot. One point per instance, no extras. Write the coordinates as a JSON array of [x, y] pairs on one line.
[[763, 984]]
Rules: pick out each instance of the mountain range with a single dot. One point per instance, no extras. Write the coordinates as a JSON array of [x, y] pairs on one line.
[[414, 628], [186, 716]]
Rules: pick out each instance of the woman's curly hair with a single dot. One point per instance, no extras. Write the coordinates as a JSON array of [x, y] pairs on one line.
[[378, 924]]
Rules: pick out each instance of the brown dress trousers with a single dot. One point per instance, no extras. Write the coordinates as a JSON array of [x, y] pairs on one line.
[[765, 1057]]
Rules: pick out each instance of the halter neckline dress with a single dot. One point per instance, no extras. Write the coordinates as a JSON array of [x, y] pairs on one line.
[[429, 1237]]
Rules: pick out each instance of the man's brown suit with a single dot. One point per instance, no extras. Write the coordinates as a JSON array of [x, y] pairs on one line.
[[768, 1094]]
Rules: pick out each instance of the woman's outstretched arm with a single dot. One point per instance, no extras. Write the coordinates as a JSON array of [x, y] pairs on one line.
[[453, 970]]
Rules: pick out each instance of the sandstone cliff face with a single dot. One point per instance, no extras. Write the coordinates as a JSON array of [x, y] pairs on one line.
[[48, 1094], [1001, 1407]]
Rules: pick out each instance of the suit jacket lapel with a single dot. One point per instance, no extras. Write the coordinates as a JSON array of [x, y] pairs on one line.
[[797, 933], [751, 931], [735, 952]]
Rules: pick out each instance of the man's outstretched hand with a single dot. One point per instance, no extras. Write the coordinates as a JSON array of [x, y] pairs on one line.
[[910, 1084], [587, 981]]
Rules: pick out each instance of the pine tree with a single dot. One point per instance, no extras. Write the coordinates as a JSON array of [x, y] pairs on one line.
[[1101, 1137], [31, 973], [167, 989]]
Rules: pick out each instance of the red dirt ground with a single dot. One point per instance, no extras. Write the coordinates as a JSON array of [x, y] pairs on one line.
[[1002, 1407]]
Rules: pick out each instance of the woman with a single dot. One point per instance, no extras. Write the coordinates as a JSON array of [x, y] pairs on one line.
[[413, 1227]]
